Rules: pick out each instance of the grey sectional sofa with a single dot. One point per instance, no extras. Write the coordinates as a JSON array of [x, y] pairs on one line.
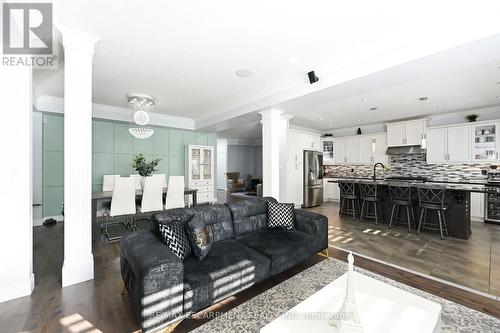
[[162, 287]]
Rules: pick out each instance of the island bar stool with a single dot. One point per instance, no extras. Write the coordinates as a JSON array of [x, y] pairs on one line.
[[401, 196], [433, 199], [348, 195], [369, 195]]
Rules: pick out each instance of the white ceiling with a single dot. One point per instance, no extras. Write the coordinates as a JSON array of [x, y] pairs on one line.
[[470, 89], [185, 53], [250, 131]]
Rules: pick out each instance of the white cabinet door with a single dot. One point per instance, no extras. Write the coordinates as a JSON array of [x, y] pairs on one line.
[[379, 155], [336, 192], [316, 143], [340, 153], [352, 150], [458, 141], [477, 206], [395, 135], [292, 147], [413, 133], [365, 149], [327, 190], [294, 184], [436, 145]]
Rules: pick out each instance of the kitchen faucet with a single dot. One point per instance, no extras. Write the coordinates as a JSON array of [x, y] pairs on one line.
[[375, 169]]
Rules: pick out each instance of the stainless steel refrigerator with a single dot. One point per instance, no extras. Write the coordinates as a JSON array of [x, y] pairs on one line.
[[313, 178]]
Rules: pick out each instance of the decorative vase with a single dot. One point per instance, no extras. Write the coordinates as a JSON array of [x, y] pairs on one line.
[[143, 181], [359, 131]]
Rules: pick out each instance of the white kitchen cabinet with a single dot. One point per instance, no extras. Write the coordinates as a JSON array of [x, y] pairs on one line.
[[352, 150], [380, 141], [448, 144], [331, 191], [436, 145], [340, 149], [299, 141], [373, 148], [327, 148], [295, 184], [477, 206], [405, 133], [458, 142]]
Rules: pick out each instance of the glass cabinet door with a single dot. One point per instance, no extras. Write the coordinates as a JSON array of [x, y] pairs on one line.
[[207, 164], [195, 164], [327, 151], [484, 146]]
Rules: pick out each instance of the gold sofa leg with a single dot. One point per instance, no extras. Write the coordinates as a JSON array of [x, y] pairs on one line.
[[170, 328], [324, 253]]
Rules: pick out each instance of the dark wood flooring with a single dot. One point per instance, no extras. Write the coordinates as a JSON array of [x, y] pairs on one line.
[[98, 306]]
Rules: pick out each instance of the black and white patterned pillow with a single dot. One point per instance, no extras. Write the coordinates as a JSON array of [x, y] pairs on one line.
[[173, 235], [280, 215]]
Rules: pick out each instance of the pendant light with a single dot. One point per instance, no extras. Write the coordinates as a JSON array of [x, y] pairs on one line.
[[141, 105], [423, 144], [374, 140]]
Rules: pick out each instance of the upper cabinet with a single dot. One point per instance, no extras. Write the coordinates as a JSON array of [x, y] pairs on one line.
[[369, 148], [448, 144], [405, 133], [327, 148], [298, 141]]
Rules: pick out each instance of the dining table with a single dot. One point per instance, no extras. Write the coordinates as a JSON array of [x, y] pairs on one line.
[[105, 196]]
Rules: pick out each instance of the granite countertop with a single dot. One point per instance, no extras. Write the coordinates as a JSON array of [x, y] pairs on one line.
[[481, 187]]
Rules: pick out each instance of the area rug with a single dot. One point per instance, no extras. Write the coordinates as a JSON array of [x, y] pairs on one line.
[[263, 308]]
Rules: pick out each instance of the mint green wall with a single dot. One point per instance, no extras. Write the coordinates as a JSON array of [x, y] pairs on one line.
[[112, 151]]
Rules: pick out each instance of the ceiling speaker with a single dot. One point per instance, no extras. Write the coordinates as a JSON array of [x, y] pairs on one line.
[[312, 77]]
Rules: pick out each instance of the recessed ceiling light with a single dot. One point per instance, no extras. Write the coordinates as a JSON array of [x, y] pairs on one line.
[[394, 115], [331, 125], [498, 97], [321, 118], [374, 108], [292, 60], [359, 120], [439, 107], [364, 99], [244, 73]]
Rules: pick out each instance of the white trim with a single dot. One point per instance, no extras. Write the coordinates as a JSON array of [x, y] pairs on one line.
[[53, 104], [18, 289]]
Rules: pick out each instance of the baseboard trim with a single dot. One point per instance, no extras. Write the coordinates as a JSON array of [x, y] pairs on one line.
[[77, 270], [17, 289], [427, 276]]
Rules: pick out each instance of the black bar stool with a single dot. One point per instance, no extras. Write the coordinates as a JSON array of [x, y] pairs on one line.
[[348, 192], [433, 199], [369, 194], [401, 196]]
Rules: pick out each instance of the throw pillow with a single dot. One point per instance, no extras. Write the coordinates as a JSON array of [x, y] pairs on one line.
[[173, 235], [280, 215], [200, 237]]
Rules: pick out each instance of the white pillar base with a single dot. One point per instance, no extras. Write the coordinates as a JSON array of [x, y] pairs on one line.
[[77, 271]]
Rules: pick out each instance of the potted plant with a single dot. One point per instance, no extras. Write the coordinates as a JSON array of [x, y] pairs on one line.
[[472, 117], [143, 168]]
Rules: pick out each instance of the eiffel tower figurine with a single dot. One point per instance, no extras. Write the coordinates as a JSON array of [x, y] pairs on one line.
[[348, 321]]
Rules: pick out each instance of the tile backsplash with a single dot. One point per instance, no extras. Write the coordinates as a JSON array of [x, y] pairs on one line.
[[413, 165]]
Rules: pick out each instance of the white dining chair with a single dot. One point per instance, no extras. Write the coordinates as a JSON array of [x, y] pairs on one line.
[[122, 204], [152, 195], [137, 179], [163, 178], [175, 192], [108, 182]]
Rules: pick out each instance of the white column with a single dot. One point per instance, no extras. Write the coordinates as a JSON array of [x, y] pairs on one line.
[[274, 152], [16, 243], [78, 263]]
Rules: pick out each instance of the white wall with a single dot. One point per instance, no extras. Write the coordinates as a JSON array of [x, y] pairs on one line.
[[245, 159], [37, 167], [221, 164], [16, 240]]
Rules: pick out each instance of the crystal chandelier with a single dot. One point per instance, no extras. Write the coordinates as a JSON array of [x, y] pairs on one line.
[[141, 105]]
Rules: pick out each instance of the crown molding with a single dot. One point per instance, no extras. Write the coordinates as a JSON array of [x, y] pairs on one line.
[[53, 104]]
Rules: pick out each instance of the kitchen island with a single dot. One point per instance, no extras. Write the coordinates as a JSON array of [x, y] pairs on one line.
[[457, 198]]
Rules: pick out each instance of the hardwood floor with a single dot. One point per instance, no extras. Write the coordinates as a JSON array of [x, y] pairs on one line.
[[473, 263], [98, 306]]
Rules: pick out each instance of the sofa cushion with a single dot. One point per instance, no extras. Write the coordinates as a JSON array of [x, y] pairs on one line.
[[228, 268], [200, 237], [216, 217], [285, 248], [249, 215], [280, 215]]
